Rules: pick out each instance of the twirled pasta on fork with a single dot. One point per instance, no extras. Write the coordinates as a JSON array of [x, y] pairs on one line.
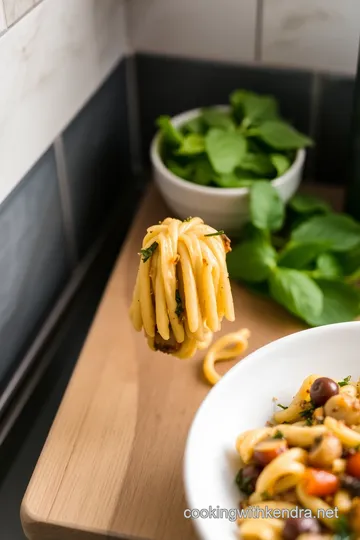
[[306, 463], [182, 290]]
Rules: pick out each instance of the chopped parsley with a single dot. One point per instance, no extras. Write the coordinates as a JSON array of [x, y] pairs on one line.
[[179, 307], [187, 219], [278, 435], [307, 414], [342, 529], [282, 406], [245, 484], [148, 252], [265, 495], [218, 233], [345, 382]]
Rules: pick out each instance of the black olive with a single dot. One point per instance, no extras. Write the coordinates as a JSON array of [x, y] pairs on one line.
[[323, 389], [351, 484], [247, 477], [294, 527]]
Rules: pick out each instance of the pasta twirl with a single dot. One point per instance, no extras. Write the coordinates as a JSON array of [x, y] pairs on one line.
[[182, 291]]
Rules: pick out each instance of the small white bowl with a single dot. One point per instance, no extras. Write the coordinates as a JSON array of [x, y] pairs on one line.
[[243, 400], [221, 208]]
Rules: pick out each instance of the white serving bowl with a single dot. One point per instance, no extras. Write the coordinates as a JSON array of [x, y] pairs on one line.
[[242, 400], [222, 208]]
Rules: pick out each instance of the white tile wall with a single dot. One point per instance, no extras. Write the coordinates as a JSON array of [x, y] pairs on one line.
[[14, 9], [317, 34], [51, 62], [2, 18], [216, 30]]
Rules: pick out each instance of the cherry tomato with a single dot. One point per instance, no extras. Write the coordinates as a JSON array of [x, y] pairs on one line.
[[320, 483]]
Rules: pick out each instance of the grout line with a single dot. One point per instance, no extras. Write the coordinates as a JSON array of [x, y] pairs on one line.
[[133, 115], [132, 94], [3, 19], [316, 90], [259, 30], [63, 181], [56, 313]]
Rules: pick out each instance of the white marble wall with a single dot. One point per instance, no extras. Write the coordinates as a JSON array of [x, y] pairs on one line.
[[15, 9], [52, 60], [311, 34]]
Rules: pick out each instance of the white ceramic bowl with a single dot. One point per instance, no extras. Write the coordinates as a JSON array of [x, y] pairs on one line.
[[242, 400], [221, 208]]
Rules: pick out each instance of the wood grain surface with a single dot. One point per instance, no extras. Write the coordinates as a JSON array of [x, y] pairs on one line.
[[112, 464]]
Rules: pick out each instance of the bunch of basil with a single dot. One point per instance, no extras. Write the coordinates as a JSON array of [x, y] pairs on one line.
[[232, 148], [305, 256]]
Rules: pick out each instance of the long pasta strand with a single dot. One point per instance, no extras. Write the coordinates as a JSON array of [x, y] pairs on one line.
[[182, 291]]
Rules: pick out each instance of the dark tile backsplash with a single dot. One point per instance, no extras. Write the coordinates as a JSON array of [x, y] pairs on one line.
[[168, 85], [172, 85], [333, 129], [97, 157], [33, 254], [33, 261]]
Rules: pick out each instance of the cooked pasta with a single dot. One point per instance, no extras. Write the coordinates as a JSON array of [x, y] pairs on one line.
[[182, 291], [308, 456], [225, 348]]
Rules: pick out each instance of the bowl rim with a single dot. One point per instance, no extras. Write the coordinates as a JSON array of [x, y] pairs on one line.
[[179, 120], [202, 529]]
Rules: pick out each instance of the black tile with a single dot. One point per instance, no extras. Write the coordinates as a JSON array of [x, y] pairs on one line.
[[168, 85], [333, 129], [19, 454], [98, 157], [33, 260]]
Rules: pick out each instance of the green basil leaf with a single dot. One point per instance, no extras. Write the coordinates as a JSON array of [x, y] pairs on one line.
[[297, 292], [340, 303], [300, 255], [203, 173], [183, 171], [267, 209], [280, 162], [341, 232], [281, 136], [252, 260], [253, 108], [327, 265], [196, 125], [350, 261], [214, 118], [308, 204], [259, 164], [232, 180], [191, 145], [225, 149], [170, 134]]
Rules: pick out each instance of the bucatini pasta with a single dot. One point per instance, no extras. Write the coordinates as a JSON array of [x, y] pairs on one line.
[[308, 456], [182, 291]]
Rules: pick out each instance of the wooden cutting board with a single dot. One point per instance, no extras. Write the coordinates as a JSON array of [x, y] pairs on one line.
[[112, 464]]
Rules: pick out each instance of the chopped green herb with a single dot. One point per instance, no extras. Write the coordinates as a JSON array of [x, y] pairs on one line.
[[345, 381], [278, 435], [218, 233], [342, 529], [282, 406], [179, 307], [265, 495], [187, 219], [148, 252], [245, 483], [307, 414]]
